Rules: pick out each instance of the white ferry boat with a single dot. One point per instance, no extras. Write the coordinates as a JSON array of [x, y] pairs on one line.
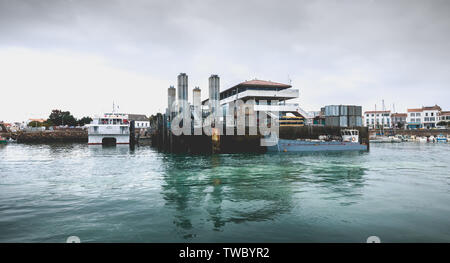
[[109, 129]]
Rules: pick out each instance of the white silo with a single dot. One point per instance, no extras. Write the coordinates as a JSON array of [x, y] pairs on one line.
[[171, 93], [182, 92], [196, 97], [214, 93]]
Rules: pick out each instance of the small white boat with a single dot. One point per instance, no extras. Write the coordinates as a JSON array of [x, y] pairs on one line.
[[384, 139], [422, 139], [395, 139]]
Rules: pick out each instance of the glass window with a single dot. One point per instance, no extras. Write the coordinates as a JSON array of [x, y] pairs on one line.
[[432, 114], [418, 114]]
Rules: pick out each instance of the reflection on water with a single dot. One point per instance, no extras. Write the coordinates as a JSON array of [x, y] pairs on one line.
[[242, 188], [113, 194]]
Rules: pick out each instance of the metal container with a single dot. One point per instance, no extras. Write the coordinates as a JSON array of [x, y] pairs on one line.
[[358, 111], [343, 121], [351, 121], [332, 121], [332, 110], [343, 110], [359, 121]]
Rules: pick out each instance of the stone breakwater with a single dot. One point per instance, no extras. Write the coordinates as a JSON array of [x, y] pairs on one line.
[[80, 136]]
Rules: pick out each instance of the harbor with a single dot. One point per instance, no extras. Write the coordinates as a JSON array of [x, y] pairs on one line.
[[252, 116], [236, 123]]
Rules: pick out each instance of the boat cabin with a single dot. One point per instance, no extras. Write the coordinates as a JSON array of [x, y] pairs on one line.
[[350, 135]]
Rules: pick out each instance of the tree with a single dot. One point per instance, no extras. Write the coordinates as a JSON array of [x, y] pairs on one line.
[[58, 117], [84, 120]]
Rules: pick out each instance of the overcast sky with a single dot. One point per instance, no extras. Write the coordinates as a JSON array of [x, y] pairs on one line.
[[82, 55]]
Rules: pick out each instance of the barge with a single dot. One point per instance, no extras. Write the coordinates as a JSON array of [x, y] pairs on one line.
[[349, 142]]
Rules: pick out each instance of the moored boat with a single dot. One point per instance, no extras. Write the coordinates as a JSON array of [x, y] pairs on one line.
[[441, 138], [109, 129], [349, 142], [3, 140]]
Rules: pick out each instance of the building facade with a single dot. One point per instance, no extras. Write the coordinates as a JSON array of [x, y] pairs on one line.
[[425, 117], [399, 120], [444, 116], [261, 90], [377, 119], [140, 121]]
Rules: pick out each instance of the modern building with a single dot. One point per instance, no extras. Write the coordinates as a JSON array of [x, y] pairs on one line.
[[425, 117], [261, 90], [377, 119], [399, 120]]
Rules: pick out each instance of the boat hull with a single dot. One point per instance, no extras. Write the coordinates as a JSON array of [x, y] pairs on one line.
[[99, 139], [306, 146]]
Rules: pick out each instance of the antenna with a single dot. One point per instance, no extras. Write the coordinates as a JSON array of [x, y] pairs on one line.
[[383, 108]]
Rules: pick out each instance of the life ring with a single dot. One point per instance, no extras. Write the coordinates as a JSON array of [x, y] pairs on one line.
[[353, 139]]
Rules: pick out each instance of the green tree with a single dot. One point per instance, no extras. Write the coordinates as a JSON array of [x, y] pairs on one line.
[[58, 117], [84, 120]]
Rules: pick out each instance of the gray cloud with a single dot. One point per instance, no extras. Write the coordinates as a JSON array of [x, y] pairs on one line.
[[334, 51]]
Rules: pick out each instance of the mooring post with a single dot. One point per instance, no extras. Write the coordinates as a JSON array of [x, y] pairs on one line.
[[132, 134]]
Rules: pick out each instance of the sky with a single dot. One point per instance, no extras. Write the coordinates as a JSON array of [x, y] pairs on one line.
[[82, 55]]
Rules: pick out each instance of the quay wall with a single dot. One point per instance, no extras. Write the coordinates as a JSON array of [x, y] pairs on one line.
[[79, 136], [164, 140], [419, 132]]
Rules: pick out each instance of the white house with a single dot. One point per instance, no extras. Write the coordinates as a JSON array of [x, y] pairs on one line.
[[377, 119], [425, 117], [140, 121]]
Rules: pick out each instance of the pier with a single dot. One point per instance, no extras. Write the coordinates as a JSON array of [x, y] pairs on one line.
[[237, 118]]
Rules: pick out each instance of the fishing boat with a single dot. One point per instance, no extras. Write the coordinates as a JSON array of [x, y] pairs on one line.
[[3, 140], [349, 142]]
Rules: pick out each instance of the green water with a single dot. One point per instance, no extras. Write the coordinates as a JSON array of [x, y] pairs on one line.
[[398, 192]]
